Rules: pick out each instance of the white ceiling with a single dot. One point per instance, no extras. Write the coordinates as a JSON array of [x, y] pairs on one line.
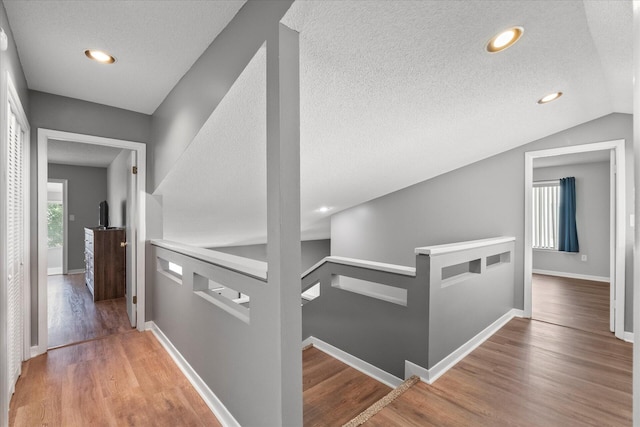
[[392, 93], [155, 43], [78, 154]]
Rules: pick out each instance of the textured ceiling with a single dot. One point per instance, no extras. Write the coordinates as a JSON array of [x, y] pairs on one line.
[[155, 43], [78, 154], [394, 93]]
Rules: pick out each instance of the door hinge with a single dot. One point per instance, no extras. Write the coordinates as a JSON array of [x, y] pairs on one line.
[[134, 170], [135, 299]]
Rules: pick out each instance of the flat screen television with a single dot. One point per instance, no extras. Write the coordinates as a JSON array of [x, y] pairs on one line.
[[104, 214]]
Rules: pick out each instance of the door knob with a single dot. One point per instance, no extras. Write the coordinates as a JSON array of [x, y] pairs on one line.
[[123, 244]]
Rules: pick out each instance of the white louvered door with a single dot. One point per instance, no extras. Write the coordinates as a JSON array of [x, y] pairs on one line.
[[15, 249]]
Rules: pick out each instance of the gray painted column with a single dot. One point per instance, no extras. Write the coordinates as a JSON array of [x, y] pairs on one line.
[[283, 222]]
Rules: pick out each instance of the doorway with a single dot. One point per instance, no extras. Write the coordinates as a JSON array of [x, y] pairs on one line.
[[134, 155], [615, 150], [571, 288]]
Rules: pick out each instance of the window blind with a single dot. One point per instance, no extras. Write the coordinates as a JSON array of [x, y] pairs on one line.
[[546, 202], [15, 249]]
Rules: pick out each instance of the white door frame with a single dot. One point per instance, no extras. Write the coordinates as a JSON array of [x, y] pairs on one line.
[[44, 135], [65, 223], [618, 240]]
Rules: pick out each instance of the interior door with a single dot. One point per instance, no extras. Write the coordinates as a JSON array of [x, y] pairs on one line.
[[132, 234]]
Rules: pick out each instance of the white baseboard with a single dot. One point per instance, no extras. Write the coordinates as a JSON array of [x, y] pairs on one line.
[[359, 364], [220, 411], [571, 275], [628, 336], [431, 375], [79, 271], [34, 351], [517, 312]]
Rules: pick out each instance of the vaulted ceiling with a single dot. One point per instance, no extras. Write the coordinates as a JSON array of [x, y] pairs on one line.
[[392, 92]]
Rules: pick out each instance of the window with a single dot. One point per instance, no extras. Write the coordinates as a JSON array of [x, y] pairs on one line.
[[55, 225], [546, 203]]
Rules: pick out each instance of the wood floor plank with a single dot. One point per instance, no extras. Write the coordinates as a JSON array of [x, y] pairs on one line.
[[334, 393], [566, 369], [575, 303], [529, 373], [74, 317], [124, 379]]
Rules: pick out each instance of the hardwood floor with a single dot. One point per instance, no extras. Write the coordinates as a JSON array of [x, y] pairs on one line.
[[575, 303], [529, 373], [121, 380], [74, 317], [334, 392]]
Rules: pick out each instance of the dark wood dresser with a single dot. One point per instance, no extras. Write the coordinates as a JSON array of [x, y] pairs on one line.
[[104, 254]]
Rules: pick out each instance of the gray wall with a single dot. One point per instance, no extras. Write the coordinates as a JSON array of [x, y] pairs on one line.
[[71, 115], [484, 199], [117, 173], [86, 188], [188, 106], [592, 220], [312, 251]]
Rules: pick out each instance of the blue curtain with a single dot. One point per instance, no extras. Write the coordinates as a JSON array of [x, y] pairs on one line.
[[568, 233]]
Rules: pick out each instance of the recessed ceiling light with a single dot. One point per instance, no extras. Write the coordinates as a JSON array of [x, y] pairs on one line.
[[504, 39], [548, 98], [323, 209], [100, 56]]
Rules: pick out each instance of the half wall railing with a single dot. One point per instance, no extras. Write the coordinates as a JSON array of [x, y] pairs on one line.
[[212, 307]]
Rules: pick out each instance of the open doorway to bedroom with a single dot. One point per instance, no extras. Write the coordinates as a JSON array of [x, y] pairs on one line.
[[571, 241], [81, 179], [583, 286], [96, 296]]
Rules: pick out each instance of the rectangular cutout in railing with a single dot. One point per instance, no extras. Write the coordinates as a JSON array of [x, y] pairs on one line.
[[498, 259], [312, 293], [233, 302], [370, 289], [169, 269], [458, 272]]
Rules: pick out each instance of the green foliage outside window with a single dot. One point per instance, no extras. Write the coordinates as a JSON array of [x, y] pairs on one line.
[[54, 223]]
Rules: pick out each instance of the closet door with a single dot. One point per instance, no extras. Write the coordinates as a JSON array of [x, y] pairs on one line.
[[15, 249]]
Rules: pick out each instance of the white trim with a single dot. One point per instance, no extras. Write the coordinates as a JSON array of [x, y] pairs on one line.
[[358, 364], [612, 232], [44, 135], [462, 246], [371, 265], [33, 351], [217, 407], [571, 275], [617, 241], [628, 336], [78, 271], [251, 267], [431, 375]]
